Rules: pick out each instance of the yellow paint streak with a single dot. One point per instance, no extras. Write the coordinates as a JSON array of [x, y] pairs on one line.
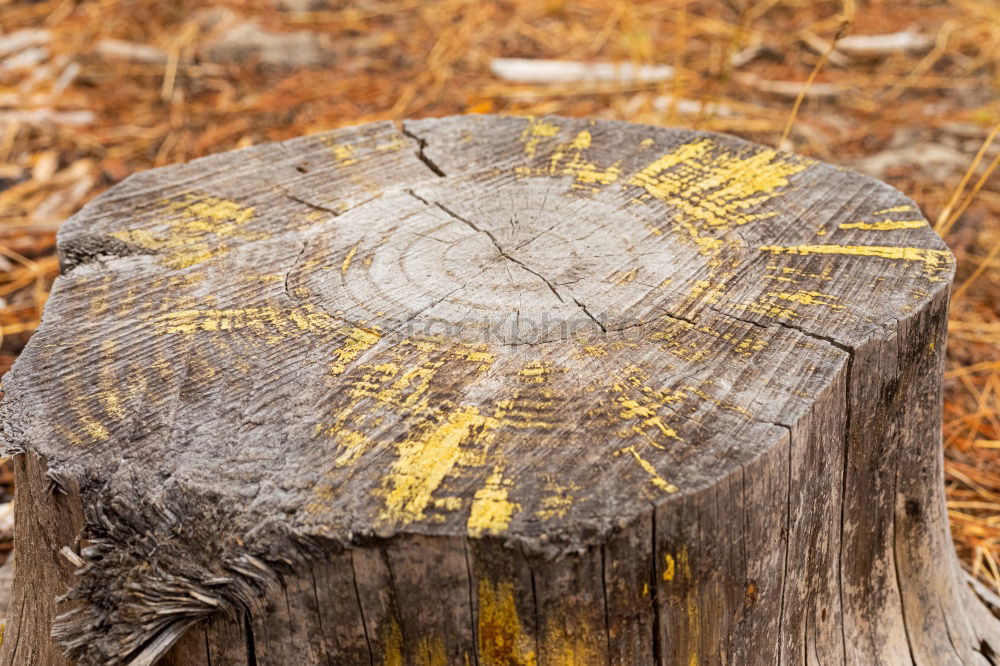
[[195, 230], [647, 467], [263, 318], [905, 208], [933, 260], [94, 428], [109, 390], [691, 602], [424, 461], [394, 144], [502, 640], [671, 565], [535, 372], [900, 253], [721, 404], [646, 407], [491, 510], [534, 132], [568, 160], [633, 409], [359, 340], [344, 154], [569, 642], [558, 501], [712, 187], [808, 298], [392, 644], [431, 652], [265, 278], [886, 225], [707, 291], [347, 260], [624, 277], [354, 445]]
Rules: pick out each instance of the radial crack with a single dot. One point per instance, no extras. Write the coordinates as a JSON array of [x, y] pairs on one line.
[[587, 312], [503, 253], [310, 204], [421, 155]]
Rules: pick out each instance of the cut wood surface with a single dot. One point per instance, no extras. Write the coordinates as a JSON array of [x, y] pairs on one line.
[[490, 390]]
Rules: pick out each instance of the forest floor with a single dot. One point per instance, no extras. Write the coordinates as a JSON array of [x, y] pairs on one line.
[[906, 91]]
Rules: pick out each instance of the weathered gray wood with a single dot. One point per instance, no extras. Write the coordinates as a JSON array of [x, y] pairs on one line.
[[485, 390]]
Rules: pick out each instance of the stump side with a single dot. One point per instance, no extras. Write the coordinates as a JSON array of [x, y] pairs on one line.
[[494, 390]]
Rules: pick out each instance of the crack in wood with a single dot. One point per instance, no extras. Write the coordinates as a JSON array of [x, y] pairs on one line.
[[421, 155]]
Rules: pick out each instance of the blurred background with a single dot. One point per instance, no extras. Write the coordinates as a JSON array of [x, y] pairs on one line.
[[905, 91]]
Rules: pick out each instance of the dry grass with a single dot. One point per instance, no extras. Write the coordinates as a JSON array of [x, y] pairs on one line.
[[921, 120]]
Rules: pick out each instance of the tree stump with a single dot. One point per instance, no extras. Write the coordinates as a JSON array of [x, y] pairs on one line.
[[487, 390]]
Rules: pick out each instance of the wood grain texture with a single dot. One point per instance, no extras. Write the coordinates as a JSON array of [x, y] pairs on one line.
[[493, 390]]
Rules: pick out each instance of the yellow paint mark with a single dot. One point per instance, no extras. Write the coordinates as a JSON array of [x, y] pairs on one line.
[[272, 324], [933, 260], [195, 230], [347, 260], [632, 409], [424, 461], [905, 208], [569, 642], [645, 408], [707, 291], [526, 409], [624, 277], [808, 298], [392, 644], [265, 277], [98, 299], [502, 640], [558, 501], [596, 352], [721, 404], [693, 611], [354, 445], [645, 143], [394, 144], [901, 253], [109, 389], [668, 572], [267, 318], [94, 428], [647, 467], [535, 372], [886, 225], [448, 503], [568, 160], [431, 652], [714, 187], [534, 132], [491, 510], [359, 340], [581, 141], [344, 154], [792, 274]]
